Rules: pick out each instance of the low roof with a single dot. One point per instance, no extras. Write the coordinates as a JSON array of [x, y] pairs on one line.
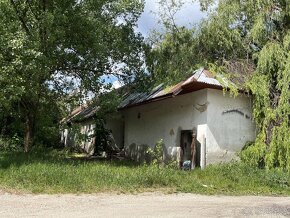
[[200, 79], [81, 113]]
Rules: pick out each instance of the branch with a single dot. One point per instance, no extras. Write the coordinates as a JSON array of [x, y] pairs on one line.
[[20, 18], [68, 69], [31, 9]]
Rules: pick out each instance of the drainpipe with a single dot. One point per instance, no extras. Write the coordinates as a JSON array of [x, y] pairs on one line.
[[203, 152]]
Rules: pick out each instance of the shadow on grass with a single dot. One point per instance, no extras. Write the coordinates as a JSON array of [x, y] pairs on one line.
[[8, 159], [53, 156], [104, 160]]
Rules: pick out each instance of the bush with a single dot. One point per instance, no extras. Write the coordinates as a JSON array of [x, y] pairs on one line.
[[11, 144], [157, 156], [156, 153]]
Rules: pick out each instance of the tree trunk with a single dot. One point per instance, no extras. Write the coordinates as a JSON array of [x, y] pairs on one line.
[[28, 132]]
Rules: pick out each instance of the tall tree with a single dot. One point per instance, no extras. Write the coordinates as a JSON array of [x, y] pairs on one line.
[[251, 34], [170, 46], [261, 29], [48, 47]]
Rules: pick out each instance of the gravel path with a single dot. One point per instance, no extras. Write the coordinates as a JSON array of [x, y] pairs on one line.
[[141, 205]]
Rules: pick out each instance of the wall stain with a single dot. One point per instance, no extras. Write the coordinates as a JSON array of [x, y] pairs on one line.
[[236, 111], [201, 107]]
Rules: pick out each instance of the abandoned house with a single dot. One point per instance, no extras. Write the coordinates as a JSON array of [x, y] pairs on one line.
[[199, 105]]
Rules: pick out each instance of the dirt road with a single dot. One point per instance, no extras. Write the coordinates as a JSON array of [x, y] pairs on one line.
[[142, 205]]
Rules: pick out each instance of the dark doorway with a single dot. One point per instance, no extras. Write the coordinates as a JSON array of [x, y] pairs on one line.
[[185, 144]]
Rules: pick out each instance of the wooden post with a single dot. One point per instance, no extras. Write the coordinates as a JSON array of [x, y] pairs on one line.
[[193, 151], [181, 157]]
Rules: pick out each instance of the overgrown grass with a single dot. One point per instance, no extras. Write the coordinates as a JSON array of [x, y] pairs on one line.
[[53, 172]]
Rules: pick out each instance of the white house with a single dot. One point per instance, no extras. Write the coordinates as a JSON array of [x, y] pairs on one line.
[[198, 105]]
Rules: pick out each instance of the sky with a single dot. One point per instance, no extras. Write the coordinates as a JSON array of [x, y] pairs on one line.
[[189, 15]]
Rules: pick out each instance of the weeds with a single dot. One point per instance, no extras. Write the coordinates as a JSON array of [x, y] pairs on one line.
[[54, 172], [10, 144], [156, 153]]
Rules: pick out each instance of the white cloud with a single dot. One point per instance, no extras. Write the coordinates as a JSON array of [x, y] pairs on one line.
[[117, 84], [189, 15]]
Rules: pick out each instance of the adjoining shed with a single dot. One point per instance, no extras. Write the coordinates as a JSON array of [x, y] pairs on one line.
[[79, 129]]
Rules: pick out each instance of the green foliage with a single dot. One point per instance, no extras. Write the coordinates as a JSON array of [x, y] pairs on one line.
[[104, 108], [157, 156], [102, 135], [107, 109], [220, 73], [47, 125], [48, 116], [156, 153], [49, 48], [247, 39], [108, 103], [171, 53], [50, 171], [272, 94], [10, 144], [176, 48], [178, 51], [262, 29]]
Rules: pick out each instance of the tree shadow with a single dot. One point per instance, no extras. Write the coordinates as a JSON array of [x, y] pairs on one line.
[[18, 159], [113, 161]]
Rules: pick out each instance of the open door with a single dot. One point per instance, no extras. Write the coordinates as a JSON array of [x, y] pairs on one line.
[[185, 144]]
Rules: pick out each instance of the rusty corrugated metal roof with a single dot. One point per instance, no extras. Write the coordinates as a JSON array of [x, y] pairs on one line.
[[86, 113], [74, 113], [156, 93], [81, 113], [200, 79]]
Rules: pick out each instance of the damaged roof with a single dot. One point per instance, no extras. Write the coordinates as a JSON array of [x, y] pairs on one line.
[[157, 93], [200, 79], [87, 113], [81, 113]]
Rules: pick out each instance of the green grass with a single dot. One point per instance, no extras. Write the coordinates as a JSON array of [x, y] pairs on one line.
[[53, 172]]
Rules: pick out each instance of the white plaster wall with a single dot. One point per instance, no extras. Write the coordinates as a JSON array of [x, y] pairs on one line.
[[88, 129], [164, 120], [227, 130], [204, 111]]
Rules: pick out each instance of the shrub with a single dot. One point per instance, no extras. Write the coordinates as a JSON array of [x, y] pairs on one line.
[[156, 153], [11, 144]]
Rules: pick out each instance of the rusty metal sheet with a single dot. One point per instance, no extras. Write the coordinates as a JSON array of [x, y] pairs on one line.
[[200, 79]]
